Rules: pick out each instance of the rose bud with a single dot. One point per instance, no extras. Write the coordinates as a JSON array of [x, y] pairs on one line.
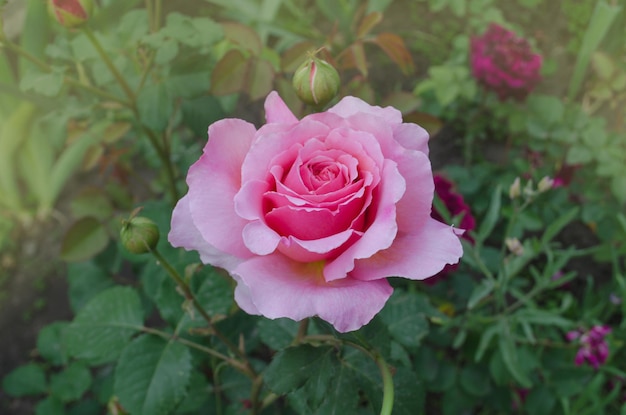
[[70, 13], [316, 82], [139, 235]]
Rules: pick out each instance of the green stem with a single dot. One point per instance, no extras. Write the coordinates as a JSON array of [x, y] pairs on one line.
[[107, 61], [165, 160], [302, 329], [184, 287], [388, 391]]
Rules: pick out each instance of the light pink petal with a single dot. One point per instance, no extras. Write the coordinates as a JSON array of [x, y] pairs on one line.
[[351, 105], [184, 234], [249, 199], [213, 182], [318, 249], [276, 111], [415, 206], [416, 256], [381, 232], [279, 287], [411, 136], [259, 238], [243, 297]]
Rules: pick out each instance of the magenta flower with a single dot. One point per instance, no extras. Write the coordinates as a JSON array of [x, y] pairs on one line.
[[593, 347], [505, 63], [311, 216]]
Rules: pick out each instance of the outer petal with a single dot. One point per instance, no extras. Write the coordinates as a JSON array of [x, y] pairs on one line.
[[213, 182], [185, 234], [276, 111], [411, 136], [279, 287], [351, 105], [415, 256]]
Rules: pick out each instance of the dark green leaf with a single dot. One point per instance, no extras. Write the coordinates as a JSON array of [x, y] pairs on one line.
[[104, 326], [404, 316], [278, 333], [290, 368], [70, 384], [493, 214], [50, 343], [511, 358], [409, 397], [474, 380], [26, 380], [50, 406], [151, 376], [479, 292], [85, 239], [86, 280], [540, 401], [555, 227]]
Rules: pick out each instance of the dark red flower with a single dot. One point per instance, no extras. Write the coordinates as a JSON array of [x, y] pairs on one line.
[[505, 63]]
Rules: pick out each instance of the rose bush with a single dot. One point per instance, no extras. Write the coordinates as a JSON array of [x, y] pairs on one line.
[[505, 63], [310, 216]]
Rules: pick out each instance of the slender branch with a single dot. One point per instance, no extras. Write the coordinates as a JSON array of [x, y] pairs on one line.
[[107, 61], [190, 296]]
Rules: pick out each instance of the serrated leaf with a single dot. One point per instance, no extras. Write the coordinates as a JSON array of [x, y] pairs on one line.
[[70, 384], [50, 406], [409, 396], [278, 333], [260, 79], [342, 395], [290, 368], [229, 75], [405, 319], [83, 240], [50, 343], [151, 376], [26, 380], [44, 83], [243, 36], [474, 379], [86, 280], [394, 47], [104, 326]]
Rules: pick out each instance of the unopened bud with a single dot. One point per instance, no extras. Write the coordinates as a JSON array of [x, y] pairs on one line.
[[515, 246], [139, 235], [70, 13], [515, 190], [316, 82], [545, 184]]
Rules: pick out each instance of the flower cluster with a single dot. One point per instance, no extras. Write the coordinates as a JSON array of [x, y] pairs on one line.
[[311, 216], [593, 347], [505, 63]]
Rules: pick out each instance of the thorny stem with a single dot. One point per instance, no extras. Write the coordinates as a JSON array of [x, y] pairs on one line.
[[184, 287]]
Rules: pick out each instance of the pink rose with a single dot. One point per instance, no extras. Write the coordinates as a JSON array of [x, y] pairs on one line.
[[505, 63], [311, 216]]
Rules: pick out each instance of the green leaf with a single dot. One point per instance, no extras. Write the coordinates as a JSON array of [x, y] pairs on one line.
[[542, 317], [342, 393], [290, 368], [156, 106], [70, 384], [493, 214], [474, 380], [44, 83], [409, 396], [86, 238], [152, 374], [578, 154], [86, 280], [25, 380], [555, 227], [479, 292], [50, 406], [511, 358], [485, 340], [230, 73], [540, 401], [278, 333], [405, 319], [104, 326], [50, 343]]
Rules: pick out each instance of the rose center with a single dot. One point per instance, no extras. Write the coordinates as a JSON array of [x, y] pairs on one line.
[[324, 172]]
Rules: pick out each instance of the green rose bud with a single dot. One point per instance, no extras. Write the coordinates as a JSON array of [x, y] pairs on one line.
[[316, 82], [139, 235], [70, 13]]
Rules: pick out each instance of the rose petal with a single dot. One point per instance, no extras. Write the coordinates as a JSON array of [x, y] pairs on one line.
[[351, 105], [184, 234], [279, 288], [411, 136], [276, 111], [416, 256], [213, 182]]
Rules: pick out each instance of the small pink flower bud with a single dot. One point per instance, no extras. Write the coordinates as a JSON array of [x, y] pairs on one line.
[[316, 82], [70, 13], [139, 235], [545, 184]]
